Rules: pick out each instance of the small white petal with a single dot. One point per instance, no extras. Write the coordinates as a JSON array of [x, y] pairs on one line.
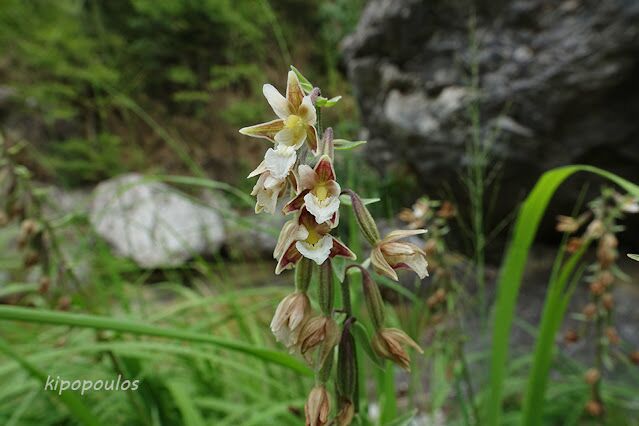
[[291, 138], [307, 176], [307, 111], [318, 252], [280, 161], [280, 105], [322, 210]]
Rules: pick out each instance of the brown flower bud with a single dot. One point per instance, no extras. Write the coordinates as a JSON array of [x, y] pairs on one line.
[[574, 244], [345, 414], [571, 336], [390, 254], [566, 224], [597, 288], [612, 336], [447, 210], [607, 249], [634, 357], [45, 283], [595, 229], [31, 258], [608, 301], [64, 303], [606, 277], [592, 376], [28, 228], [589, 311], [289, 319], [388, 343], [320, 333], [594, 408], [317, 407]]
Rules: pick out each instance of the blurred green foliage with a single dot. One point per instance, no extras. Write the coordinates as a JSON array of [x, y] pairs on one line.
[[186, 63]]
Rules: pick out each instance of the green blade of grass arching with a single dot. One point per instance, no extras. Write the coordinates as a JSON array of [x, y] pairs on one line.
[[15, 313], [552, 317], [512, 270], [76, 407]]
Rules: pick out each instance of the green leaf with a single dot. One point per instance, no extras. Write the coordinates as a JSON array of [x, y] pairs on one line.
[[512, 270], [327, 103], [306, 85], [346, 200], [345, 145], [15, 313], [634, 257], [190, 414], [364, 341]]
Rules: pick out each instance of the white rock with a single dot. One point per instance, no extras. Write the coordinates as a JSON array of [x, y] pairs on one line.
[[152, 223]]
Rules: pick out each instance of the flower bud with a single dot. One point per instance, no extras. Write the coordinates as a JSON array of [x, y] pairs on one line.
[[289, 319], [364, 219], [592, 376], [388, 343], [346, 365], [326, 287], [606, 277], [345, 414], [45, 283], [566, 224], [608, 301], [321, 333], [634, 357], [594, 408], [373, 298], [607, 249], [317, 407], [589, 311], [597, 288], [613, 336], [574, 244], [327, 147], [571, 336], [28, 228], [595, 229], [303, 274]]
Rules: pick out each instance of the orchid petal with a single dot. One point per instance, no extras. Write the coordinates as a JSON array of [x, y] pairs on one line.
[[290, 137], [280, 105], [318, 252], [266, 130], [294, 93], [321, 210], [381, 266], [399, 234], [280, 161], [311, 138], [307, 177], [288, 259], [340, 249], [324, 169], [307, 111]]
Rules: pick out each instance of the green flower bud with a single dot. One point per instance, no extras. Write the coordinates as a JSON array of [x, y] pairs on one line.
[[326, 295], [346, 365], [364, 219], [303, 274]]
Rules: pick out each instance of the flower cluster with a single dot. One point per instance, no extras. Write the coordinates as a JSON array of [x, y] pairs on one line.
[[601, 226], [301, 160]]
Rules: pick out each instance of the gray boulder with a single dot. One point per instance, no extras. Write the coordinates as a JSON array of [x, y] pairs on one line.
[[558, 84], [152, 223]]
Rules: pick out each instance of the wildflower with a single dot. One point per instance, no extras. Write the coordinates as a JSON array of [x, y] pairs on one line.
[[317, 191], [595, 229], [415, 217], [567, 224], [571, 336], [447, 210], [317, 407], [627, 203], [388, 343], [267, 189], [592, 376], [389, 254], [608, 301], [289, 318], [613, 336], [321, 333], [308, 239], [594, 408], [607, 249], [296, 121]]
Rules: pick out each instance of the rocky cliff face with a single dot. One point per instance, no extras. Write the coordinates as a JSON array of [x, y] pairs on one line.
[[558, 85]]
